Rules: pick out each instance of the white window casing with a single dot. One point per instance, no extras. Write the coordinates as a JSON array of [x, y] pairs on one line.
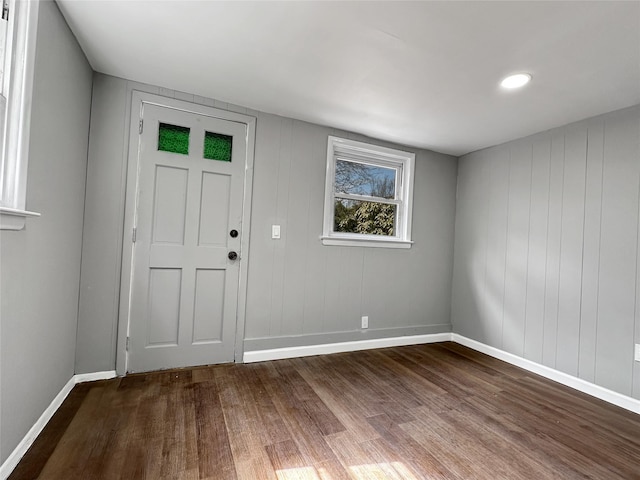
[[403, 163], [4, 31], [18, 73]]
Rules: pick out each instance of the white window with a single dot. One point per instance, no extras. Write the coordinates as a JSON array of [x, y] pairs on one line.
[[17, 56], [368, 195]]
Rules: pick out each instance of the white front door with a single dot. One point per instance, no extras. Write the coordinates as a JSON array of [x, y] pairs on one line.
[[186, 257]]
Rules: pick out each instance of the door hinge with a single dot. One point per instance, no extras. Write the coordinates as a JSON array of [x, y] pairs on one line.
[[134, 235], [140, 127], [128, 342]]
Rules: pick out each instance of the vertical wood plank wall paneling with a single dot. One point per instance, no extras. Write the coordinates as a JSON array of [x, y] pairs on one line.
[[546, 249], [299, 291]]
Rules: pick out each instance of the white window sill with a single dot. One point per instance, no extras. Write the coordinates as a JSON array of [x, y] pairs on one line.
[[14, 219], [359, 242]]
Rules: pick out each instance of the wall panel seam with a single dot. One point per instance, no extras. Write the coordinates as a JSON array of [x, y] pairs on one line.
[[595, 353], [584, 236], [273, 250], [526, 278], [559, 273], [635, 300], [546, 254], [506, 244]]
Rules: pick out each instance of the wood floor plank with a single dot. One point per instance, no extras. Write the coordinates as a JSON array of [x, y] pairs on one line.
[[394, 465], [48, 440], [467, 380], [326, 422], [214, 451], [364, 401], [526, 434], [466, 458], [620, 422], [272, 428], [339, 405], [190, 446], [383, 379], [144, 445], [468, 424], [304, 431], [256, 468], [617, 458], [480, 360], [354, 458], [439, 411], [245, 424], [370, 389], [109, 431], [288, 463], [414, 455], [70, 456], [454, 385]]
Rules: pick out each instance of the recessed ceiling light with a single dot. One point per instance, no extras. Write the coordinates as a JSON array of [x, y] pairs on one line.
[[516, 81]]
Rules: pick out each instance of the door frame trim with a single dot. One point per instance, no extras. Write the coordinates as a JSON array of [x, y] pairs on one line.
[[138, 99]]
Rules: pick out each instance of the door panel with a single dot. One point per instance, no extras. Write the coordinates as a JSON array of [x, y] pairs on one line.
[[165, 288], [214, 210], [184, 294], [208, 306], [170, 203]]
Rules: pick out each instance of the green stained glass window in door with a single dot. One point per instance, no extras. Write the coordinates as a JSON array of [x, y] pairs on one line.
[[174, 139], [217, 146]]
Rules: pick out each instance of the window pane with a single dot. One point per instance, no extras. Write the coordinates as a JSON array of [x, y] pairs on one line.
[[360, 179], [371, 218], [172, 138], [217, 146]]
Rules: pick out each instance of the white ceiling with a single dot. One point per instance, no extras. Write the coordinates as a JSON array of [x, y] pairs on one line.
[[424, 74]]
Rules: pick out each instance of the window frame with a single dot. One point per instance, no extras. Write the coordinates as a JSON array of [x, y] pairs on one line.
[[359, 152], [19, 64]]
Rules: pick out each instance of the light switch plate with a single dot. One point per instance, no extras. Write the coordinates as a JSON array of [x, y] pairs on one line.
[[275, 232], [637, 356]]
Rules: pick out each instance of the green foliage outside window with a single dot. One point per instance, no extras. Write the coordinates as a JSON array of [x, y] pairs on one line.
[[360, 216], [364, 217]]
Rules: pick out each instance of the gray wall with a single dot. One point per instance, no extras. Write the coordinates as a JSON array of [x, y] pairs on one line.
[[546, 249], [299, 292], [40, 266]]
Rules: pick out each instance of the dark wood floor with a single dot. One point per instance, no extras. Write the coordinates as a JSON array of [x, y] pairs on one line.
[[422, 412]]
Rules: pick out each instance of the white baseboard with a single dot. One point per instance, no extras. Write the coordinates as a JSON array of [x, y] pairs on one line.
[[309, 350], [12, 461], [576, 383], [92, 377]]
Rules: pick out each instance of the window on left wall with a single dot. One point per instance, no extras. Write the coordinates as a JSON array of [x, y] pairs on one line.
[[17, 56]]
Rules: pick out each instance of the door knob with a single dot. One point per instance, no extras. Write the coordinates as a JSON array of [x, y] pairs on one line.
[[233, 233], [232, 255]]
